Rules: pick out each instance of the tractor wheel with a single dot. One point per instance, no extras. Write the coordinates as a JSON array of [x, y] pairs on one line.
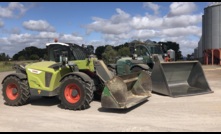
[[137, 69], [15, 91], [75, 94]]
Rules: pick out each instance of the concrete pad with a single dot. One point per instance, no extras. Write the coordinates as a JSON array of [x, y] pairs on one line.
[[201, 113]]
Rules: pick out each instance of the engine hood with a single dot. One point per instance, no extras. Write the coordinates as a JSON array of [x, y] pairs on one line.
[[41, 66]]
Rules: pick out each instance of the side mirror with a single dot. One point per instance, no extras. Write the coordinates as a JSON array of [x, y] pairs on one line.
[[64, 57]]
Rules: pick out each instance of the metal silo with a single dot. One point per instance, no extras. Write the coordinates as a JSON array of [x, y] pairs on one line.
[[211, 34], [171, 53], [211, 26], [196, 53], [215, 26], [203, 34], [200, 49], [208, 28]]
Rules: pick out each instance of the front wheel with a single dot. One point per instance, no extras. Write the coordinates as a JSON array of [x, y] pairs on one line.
[[75, 94], [15, 91]]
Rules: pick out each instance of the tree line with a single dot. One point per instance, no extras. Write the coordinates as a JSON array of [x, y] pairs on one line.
[[31, 53], [110, 54], [4, 57], [107, 53]]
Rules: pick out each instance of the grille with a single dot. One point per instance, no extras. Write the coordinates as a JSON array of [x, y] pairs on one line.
[[48, 79]]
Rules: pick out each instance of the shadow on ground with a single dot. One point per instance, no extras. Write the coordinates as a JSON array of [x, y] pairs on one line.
[[120, 111], [44, 101]]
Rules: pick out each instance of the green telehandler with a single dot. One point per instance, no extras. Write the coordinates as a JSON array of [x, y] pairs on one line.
[[75, 76]]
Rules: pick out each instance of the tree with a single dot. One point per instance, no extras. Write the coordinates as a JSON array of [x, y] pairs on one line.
[[28, 51], [34, 57], [21, 58], [4, 57], [45, 57], [99, 51], [174, 46], [123, 51], [109, 55]]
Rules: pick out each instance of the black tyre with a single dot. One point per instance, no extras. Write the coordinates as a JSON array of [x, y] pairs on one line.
[[15, 91], [75, 94]]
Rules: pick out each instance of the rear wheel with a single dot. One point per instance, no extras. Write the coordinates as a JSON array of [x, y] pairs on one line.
[[15, 91], [75, 94]]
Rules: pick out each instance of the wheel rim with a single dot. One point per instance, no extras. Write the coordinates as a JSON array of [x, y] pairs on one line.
[[12, 91], [72, 93]]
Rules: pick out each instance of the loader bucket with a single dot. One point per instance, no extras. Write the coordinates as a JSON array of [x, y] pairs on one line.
[[122, 92], [177, 79]]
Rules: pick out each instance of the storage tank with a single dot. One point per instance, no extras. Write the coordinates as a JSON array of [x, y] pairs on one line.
[[171, 53], [211, 26], [200, 49], [196, 53], [202, 39]]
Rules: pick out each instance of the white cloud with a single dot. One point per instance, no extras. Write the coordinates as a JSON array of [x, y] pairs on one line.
[[5, 13], [152, 6], [20, 38], [16, 42], [121, 17], [17, 6], [14, 9], [96, 43], [70, 38], [139, 22], [145, 34], [182, 31], [6, 32], [187, 46], [117, 24], [177, 25], [182, 20], [4, 41], [127, 37], [181, 24], [181, 8], [38, 25], [48, 35]]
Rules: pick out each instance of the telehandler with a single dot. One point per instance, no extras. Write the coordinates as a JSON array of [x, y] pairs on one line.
[[74, 76]]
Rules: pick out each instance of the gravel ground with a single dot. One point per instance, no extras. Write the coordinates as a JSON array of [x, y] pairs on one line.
[[201, 113]]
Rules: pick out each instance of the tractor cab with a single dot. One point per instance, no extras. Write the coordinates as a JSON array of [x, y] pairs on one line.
[[71, 51]]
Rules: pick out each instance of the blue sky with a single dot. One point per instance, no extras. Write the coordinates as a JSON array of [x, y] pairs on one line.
[[24, 24]]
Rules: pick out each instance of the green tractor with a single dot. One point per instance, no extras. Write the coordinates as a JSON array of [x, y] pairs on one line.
[[128, 65], [75, 76]]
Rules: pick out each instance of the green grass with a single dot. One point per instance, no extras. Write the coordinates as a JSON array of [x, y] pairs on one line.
[[7, 65]]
